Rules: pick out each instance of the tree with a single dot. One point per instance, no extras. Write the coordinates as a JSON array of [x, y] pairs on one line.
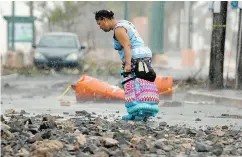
[[217, 47], [239, 55], [66, 16]]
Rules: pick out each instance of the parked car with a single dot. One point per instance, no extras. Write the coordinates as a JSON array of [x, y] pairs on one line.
[[58, 49]]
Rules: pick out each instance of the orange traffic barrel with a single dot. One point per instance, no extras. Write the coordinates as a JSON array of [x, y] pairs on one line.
[[89, 88], [164, 85]]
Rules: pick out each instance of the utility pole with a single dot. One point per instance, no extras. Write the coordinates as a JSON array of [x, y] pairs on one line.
[[31, 13], [217, 46], [13, 27], [187, 11], [156, 29], [238, 79], [126, 10], [190, 24]]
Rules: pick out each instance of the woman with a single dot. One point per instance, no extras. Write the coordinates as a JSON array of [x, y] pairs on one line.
[[141, 94]]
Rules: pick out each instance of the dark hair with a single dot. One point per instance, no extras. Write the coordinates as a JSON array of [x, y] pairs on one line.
[[99, 15]]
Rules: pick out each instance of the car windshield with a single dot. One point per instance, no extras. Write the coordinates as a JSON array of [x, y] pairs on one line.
[[58, 41]]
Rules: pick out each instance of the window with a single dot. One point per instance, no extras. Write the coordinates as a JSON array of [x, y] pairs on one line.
[[61, 41]]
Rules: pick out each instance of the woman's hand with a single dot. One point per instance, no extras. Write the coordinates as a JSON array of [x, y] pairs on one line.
[[127, 67]]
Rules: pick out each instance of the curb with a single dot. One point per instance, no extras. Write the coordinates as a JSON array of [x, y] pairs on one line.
[[218, 99], [7, 77]]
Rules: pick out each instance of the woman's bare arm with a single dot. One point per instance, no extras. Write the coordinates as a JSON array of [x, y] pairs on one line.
[[122, 36]]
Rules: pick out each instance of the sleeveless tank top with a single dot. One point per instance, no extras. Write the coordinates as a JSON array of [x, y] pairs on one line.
[[138, 48]]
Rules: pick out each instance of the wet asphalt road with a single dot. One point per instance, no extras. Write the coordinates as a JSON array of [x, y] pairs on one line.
[[38, 95]]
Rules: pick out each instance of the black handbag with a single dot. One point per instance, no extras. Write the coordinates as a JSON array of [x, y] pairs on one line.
[[144, 70]]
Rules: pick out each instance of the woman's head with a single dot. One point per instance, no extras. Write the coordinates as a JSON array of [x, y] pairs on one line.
[[104, 19]]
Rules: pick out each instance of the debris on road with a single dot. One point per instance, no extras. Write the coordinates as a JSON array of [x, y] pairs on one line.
[[90, 135]]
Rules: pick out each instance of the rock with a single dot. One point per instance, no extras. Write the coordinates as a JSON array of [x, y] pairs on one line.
[[4, 142], [41, 153], [83, 113], [187, 151], [234, 151], [233, 133], [195, 111], [162, 124], [240, 151], [159, 144], [23, 153], [109, 142], [219, 133], [33, 130], [113, 138], [46, 147], [48, 122], [217, 150], [36, 137], [70, 138], [167, 148], [4, 126], [10, 111], [212, 137], [160, 152], [46, 134], [82, 154], [224, 115], [103, 149], [91, 148], [135, 140], [207, 131], [108, 134], [225, 127], [181, 131], [101, 154], [171, 154], [200, 134], [187, 145], [198, 119], [142, 145], [72, 148], [8, 149], [135, 153], [152, 149], [192, 132], [66, 113], [117, 153], [140, 131], [172, 104], [65, 103], [23, 112], [2, 119], [6, 85], [48, 117], [5, 133], [200, 147], [66, 125], [161, 134], [81, 139]]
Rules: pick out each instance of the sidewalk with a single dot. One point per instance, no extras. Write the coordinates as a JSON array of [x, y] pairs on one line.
[[175, 69], [220, 97]]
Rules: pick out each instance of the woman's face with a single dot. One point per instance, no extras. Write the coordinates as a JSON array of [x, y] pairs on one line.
[[103, 24]]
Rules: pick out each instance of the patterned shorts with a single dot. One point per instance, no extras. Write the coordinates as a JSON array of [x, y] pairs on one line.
[[139, 90]]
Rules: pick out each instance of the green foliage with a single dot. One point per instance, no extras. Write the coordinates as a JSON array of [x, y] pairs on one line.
[[66, 15]]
